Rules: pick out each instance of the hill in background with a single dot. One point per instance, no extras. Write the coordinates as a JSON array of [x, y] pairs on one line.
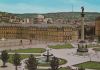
[[63, 15]]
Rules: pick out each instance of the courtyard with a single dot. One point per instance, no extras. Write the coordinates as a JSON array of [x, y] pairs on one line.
[[38, 48]]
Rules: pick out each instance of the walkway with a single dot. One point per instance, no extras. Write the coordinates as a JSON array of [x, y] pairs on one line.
[[68, 54]]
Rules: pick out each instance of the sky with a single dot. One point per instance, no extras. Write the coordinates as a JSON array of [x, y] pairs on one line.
[[48, 6]]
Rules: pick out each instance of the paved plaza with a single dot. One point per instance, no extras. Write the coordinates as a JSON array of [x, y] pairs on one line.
[[69, 54]]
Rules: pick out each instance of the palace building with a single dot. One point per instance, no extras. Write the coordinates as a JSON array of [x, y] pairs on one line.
[[97, 28], [43, 32]]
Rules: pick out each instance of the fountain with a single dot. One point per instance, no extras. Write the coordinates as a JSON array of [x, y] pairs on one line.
[[47, 55], [41, 59], [45, 58]]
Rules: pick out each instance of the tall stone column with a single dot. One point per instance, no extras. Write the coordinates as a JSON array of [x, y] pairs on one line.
[[82, 47], [82, 29], [82, 24]]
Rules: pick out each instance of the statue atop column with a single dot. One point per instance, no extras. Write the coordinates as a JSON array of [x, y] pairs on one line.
[[82, 14], [82, 9]]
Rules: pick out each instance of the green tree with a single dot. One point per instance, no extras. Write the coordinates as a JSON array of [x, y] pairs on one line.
[[16, 60], [54, 63], [31, 63], [4, 57], [81, 68]]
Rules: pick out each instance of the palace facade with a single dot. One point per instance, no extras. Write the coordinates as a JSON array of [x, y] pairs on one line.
[[45, 32], [97, 28]]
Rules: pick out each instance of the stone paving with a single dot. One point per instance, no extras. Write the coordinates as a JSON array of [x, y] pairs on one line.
[[68, 54], [10, 66]]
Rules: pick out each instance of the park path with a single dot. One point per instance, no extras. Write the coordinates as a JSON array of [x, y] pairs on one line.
[[72, 58], [68, 54]]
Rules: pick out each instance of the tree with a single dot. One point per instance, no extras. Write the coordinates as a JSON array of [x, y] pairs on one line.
[[81, 68], [54, 63], [4, 57], [31, 63], [16, 60]]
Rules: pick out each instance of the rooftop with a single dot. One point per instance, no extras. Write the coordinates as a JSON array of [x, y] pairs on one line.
[[38, 25]]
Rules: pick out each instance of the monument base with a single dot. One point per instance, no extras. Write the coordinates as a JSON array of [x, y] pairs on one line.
[[82, 47], [82, 50]]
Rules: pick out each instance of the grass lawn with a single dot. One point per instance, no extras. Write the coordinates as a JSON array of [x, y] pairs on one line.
[[29, 50], [61, 46], [96, 49], [91, 46], [61, 62], [63, 68], [23, 56], [89, 65], [42, 69]]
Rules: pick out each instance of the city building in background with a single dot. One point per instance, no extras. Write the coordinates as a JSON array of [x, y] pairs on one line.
[[97, 28], [9, 18]]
